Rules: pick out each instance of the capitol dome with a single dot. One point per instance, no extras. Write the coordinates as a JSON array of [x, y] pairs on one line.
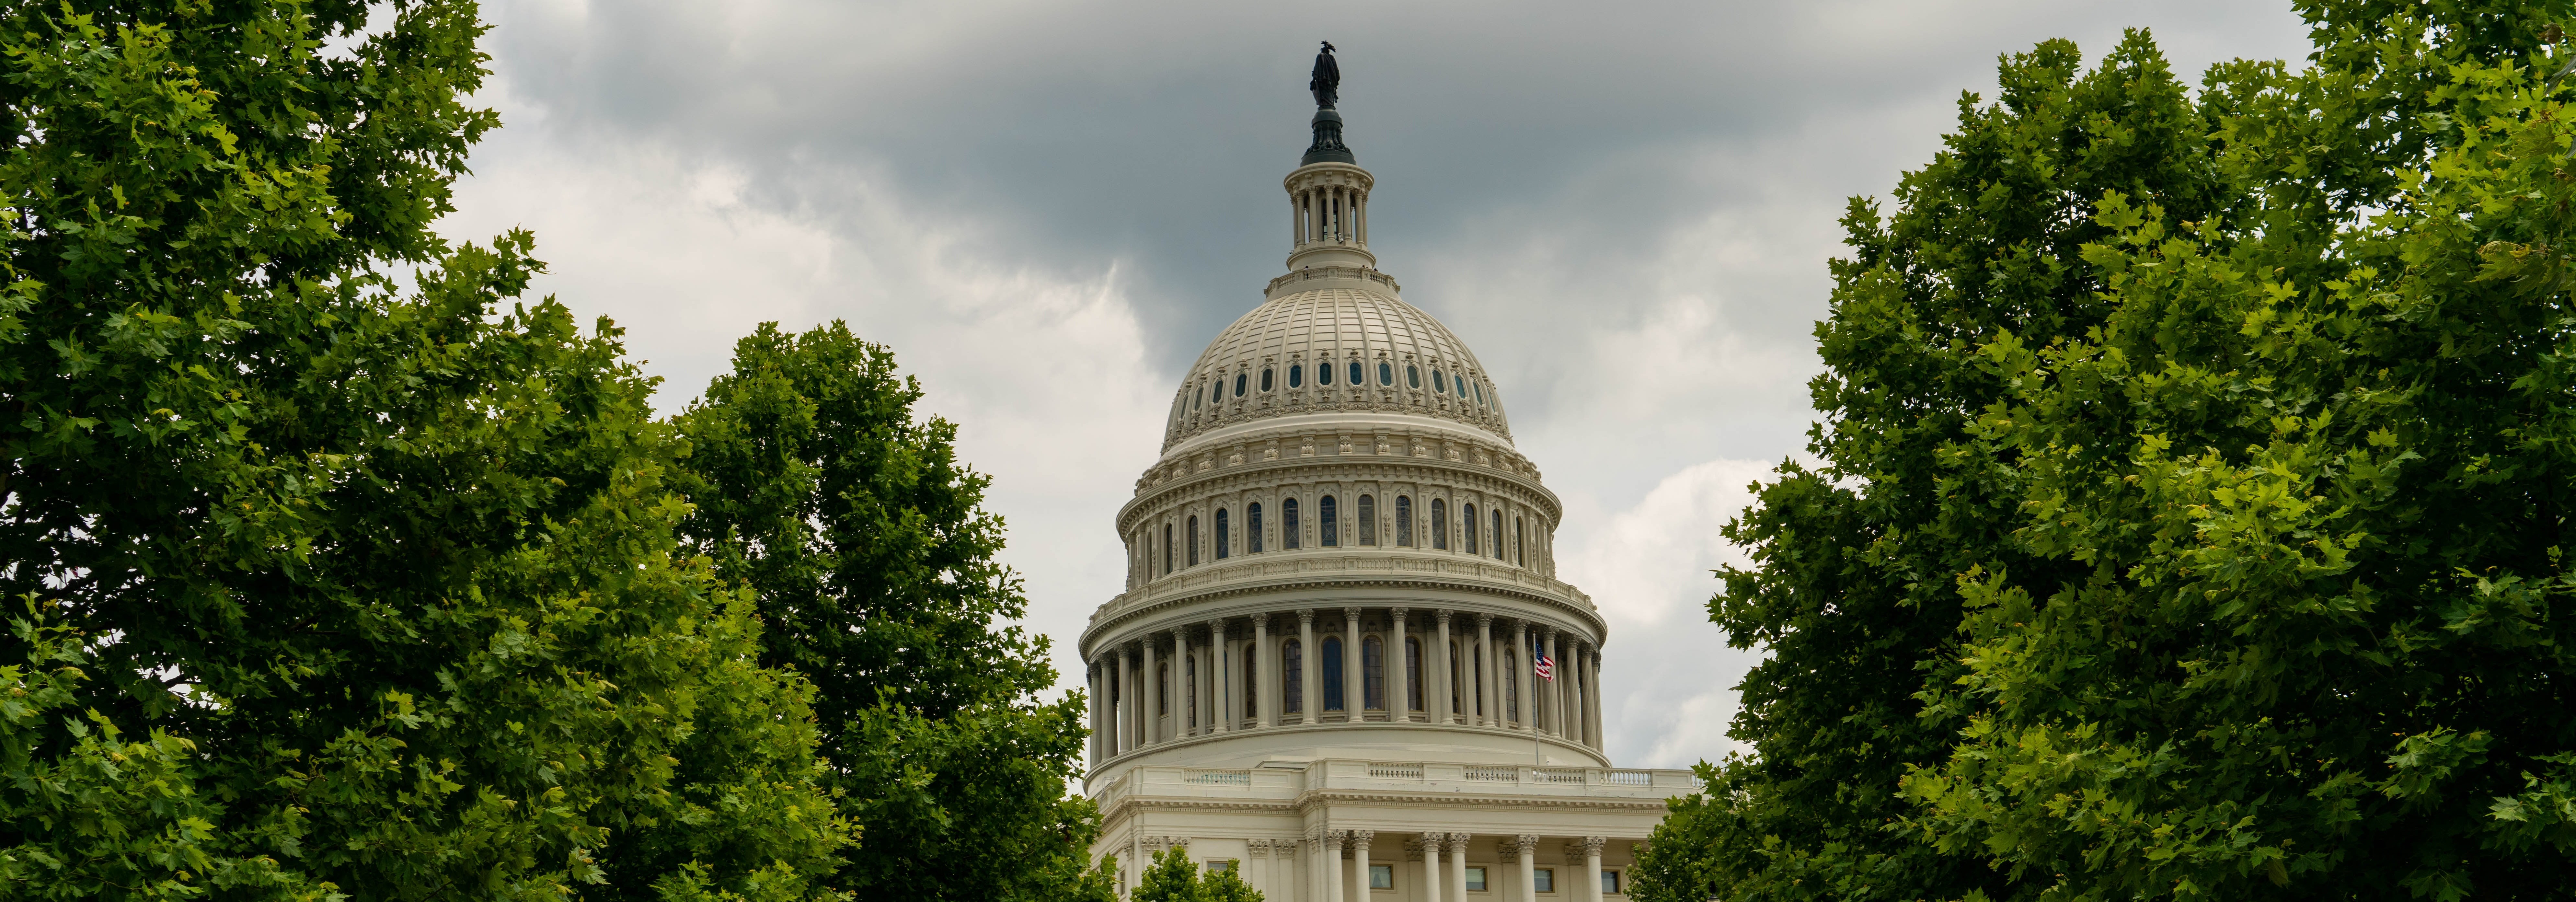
[[1342, 639]]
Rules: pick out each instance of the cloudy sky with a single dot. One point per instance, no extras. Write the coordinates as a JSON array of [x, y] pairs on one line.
[[1047, 209]]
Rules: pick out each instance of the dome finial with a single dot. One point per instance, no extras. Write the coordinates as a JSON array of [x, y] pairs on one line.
[[1327, 87]]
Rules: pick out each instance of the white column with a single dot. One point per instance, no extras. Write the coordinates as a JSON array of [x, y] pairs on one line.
[[1265, 678], [1153, 702], [1333, 865], [1431, 843], [1593, 700], [1528, 846], [1592, 868], [1520, 675], [1223, 655], [1097, 720], [1360, 863], [1354, 692], [1362, 216], [1126, 700], [1458, 868], [1296, 221], [1307, 678], [1182, 698], [1489, 692], [1399, 673], [1440, 679]]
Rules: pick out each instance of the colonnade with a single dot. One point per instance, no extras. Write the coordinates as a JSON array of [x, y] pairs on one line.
[[1465, 668], [1442, 866], [1333, 213]]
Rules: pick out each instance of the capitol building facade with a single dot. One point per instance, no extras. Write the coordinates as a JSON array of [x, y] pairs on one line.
[[1343, 663]]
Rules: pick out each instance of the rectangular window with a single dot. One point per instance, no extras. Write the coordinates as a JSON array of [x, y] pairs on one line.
[[1194, 541], [1252, 527], [1476, 879], [1404, 521], [1381, 876], [1331, 527], [1439, 524], [1368, 519], [1219, 867], [1498, 535], [1224, 535], [1610, 882], [1288, 525], [1543, 880]]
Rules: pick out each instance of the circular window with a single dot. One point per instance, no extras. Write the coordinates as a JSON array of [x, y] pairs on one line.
[[1239, 380], [1385, 373], [1296, 376], [1265, 380], [1412, 376], [1438, 384]]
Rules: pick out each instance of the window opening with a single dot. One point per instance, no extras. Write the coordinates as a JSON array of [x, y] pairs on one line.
[[1251, 681], [1381, 876], [1239, 380], [1457, 662], [1498, 535], [1512, 685], [1385, 373], [1439, 383], [1609, 882], [1404, 521], [1479, 654], [1163, 694], [1476, 879], [1223, 535], [1440, 524], [1289, 528], [1190, 672], [1292, 678], [1368, 519], [1194, 540], [1296, 375], [1198, 397], [1265, 378], [1373, 674], [1520, 543], [1460, 383], [1467, 536], [1480, 394], [1332, 674], [1252, 527], [1412, 376], [1543, 880], [1331, 526]]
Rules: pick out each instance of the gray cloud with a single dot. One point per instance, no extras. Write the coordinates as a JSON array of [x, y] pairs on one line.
[[1048, 208]]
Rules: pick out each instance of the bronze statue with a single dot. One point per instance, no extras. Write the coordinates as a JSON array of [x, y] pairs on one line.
[[1327, 83]]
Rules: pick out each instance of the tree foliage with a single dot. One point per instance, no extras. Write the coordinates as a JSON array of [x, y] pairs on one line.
[[1173, 877], [2190, 516], [864, 537], [321, 586]]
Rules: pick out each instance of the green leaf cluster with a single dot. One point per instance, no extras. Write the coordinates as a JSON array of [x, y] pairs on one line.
[[1173, 877], [327, 585], [813, 481], [2191, 508]]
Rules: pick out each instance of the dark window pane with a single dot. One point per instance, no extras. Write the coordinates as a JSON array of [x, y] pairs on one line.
[[1368, 519], [1385, 373], [1288, 526], [1404, 521], [1194, 541], [1373, 674], [1332, 674], [1292, 678], [1413, 674], [1222, 535], [1439, 383], [1265, 379], [1296, 376], [1467, 536], [1439, 524], [1412, 376], [1498, 535], [1239, 380], [1331, 526]]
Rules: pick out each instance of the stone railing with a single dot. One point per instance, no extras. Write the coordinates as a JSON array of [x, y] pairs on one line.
[[1283, 780], [1329, 564], [1312, 273]]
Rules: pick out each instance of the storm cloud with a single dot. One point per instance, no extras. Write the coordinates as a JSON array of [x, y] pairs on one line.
[[1048, 208]]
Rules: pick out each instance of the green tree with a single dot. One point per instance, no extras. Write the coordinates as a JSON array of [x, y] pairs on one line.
[[1173, 877], [2229, 571], [319, 587], [1850, 595], [864, 537]]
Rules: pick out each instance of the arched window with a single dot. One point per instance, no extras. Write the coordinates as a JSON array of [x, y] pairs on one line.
[[1296, 375], [1292, 678], [1385, 373], [1512, 685], [1479, 679], [1224, 535], [1520, 543], [1251, 676], [1190, 694], [1194, 540], [1239, 380], [1439, 383], [1331, 527], [1412, 674], [1368, 519], [1412, 376], [1252, 527], [1440, 524], [1332, 674], [1498, 535], [1288, 525], [1167, 548], [1373, 674], [1404, 520], [1467, 536]]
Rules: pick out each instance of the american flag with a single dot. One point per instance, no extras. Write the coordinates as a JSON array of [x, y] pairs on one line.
[[1546, 668]]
